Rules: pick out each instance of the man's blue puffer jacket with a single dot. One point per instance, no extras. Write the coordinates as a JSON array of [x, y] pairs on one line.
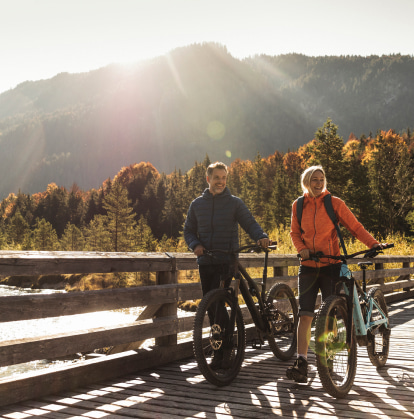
[[213, 222]]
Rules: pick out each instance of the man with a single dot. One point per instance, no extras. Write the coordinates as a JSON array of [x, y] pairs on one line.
[[212, 223]]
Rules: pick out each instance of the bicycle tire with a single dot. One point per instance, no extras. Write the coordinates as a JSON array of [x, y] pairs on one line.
[[209, 338], [336, 361], [378, 340], [282, 335]]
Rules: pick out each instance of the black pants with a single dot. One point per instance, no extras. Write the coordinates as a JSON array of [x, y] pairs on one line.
[[211, 277]]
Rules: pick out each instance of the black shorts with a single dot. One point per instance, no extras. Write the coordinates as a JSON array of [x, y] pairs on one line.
[[310, 281]]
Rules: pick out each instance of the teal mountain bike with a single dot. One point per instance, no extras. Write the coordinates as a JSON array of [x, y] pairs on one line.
[[351, 316]]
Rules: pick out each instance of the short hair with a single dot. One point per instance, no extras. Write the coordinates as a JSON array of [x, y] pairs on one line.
[[306, 178], [216, 165]]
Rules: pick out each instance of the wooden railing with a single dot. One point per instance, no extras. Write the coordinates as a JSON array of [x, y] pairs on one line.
[[159, 319]]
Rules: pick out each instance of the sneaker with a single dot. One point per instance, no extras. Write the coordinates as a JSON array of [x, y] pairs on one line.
[[217, 359], [227, 358], [299, 371], [330, 364]]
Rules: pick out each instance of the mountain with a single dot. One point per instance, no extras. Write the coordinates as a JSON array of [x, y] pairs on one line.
[[198, 100]]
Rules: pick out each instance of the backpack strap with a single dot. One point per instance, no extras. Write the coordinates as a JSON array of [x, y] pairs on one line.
[[329, 209], [327, 200], [299, 210]]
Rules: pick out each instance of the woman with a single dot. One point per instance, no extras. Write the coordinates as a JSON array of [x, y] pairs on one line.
[[317, 233]]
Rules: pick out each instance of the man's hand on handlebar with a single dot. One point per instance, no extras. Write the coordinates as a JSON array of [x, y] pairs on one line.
[[199, 250], [265, 242]]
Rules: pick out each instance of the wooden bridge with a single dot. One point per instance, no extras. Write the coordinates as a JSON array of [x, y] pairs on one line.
[[163, 381]]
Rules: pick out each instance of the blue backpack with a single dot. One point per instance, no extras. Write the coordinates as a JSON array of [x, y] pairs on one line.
[[327, 200]]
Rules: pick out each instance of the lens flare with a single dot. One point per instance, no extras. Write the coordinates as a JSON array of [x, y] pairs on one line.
[[216, 130]]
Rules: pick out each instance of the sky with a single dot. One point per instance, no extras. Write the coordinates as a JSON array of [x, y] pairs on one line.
[[42, 38]]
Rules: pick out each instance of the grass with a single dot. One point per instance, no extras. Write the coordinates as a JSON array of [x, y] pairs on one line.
[[402, 246]]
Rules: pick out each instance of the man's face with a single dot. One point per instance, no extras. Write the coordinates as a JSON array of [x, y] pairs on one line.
[[217, 181]]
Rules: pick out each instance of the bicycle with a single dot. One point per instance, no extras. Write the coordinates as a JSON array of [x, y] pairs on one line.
[[219, 335], [349, 317]]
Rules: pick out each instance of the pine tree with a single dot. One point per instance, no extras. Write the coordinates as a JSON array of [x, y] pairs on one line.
[[45, 236], [72, 238], [391, 179], [120, 217], [144, 239], [327, 151], [18, 230], [97, 237]]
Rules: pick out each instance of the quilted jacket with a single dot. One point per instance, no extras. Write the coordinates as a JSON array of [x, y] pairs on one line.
[[213, 221]]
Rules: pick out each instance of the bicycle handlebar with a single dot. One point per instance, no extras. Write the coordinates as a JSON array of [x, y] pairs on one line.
[[250, 248], [368, 253]]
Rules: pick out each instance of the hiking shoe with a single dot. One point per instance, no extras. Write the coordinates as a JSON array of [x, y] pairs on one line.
[[227, 358], [330, 364], [217, 359], [299, 371]]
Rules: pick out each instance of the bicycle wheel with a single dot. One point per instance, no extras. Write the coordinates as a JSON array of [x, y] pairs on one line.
[[283, 321], [219, 337], [336, 361], [379, 337]]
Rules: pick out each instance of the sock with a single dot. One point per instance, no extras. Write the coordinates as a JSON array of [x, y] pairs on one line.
[[303, 356]]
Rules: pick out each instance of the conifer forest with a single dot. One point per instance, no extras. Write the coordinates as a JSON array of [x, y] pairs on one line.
[[140, 209]]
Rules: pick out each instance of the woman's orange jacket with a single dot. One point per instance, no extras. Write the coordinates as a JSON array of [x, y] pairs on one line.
[[318, 231]]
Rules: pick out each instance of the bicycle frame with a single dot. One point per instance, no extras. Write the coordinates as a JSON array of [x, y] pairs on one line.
[[362, 328], [248, 289]]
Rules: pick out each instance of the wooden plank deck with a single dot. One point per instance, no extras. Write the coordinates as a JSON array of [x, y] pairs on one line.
[[177, 390]]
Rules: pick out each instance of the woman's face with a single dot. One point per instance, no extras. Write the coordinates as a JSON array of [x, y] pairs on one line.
[[317, 183]]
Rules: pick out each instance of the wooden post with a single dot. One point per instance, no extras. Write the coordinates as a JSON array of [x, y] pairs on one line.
[[405, 277], [280, 270], [170, 309], [379, 266]]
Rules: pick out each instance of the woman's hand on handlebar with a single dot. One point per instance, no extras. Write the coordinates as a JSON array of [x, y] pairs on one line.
[[305, 254], [384, 245]]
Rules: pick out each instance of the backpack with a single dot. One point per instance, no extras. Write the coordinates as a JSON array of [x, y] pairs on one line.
[[327, 200]]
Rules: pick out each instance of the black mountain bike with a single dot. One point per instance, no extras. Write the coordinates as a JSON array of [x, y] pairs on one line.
[[349, 317], [219, 333]]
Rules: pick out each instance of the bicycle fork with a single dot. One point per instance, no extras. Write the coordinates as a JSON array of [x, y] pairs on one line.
[[224, 333]]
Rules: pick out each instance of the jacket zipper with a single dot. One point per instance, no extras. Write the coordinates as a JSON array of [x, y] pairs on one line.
[[211, 223], [314, 225]]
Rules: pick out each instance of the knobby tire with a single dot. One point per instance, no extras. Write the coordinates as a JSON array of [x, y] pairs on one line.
[[282, 321], [336, 361], [379, 339], [208, 340]]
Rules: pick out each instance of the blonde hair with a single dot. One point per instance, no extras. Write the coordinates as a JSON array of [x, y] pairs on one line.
[[306, 178]]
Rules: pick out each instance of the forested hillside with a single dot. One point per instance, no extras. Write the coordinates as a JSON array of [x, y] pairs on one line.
[[141, 209], [196, 101]]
